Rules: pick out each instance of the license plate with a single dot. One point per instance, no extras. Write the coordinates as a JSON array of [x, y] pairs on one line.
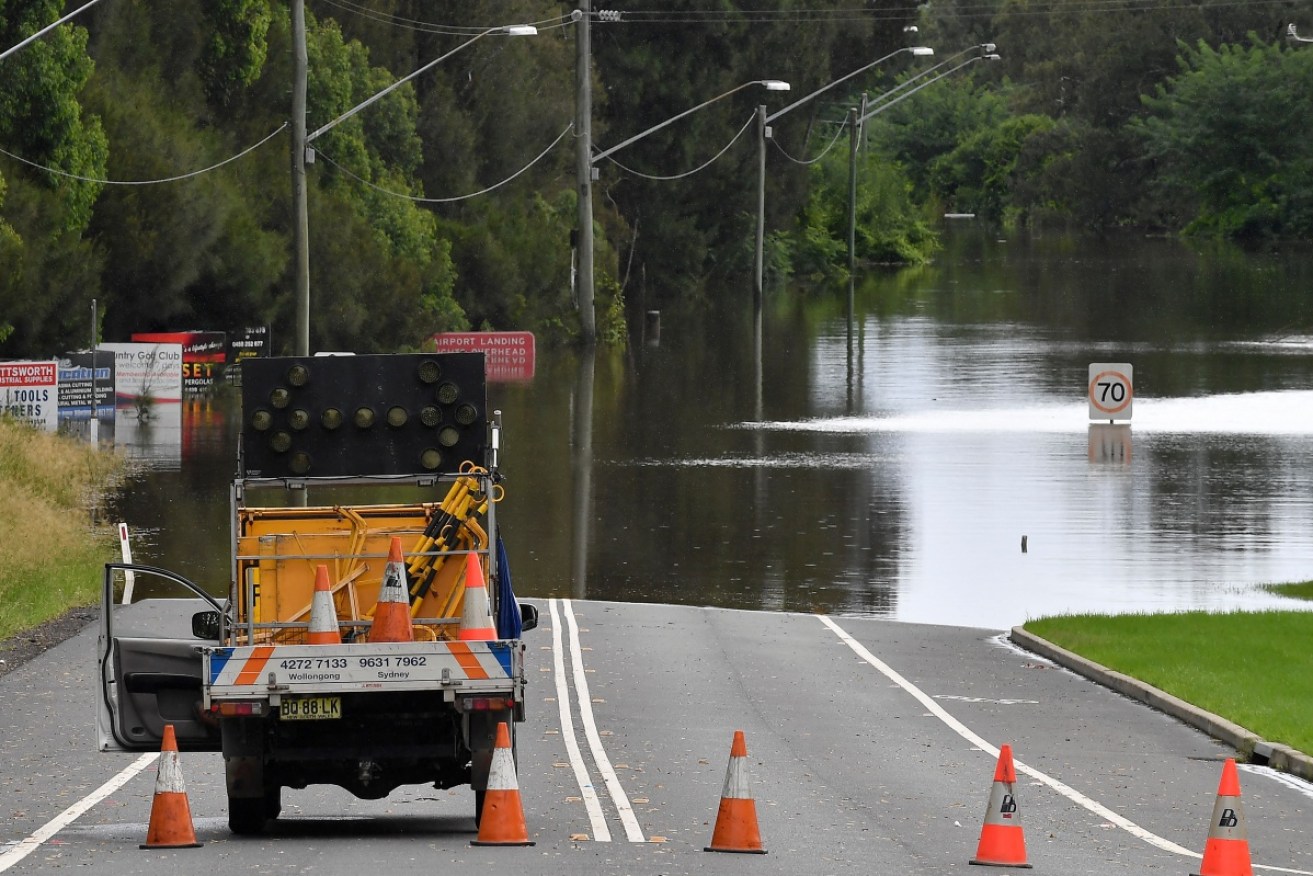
[[310, 708]]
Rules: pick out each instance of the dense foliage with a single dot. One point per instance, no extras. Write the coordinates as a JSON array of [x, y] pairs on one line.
[[450, 203]]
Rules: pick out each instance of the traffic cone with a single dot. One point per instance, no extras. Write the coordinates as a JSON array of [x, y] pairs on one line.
[[736, 822], [1227, 850], [170, 815], [1002, 843], [392, 610], [501, 823], [323, 613], [476, 616]]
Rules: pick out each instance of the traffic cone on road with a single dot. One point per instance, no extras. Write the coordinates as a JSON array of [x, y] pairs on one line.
[[392, 610], [476, 615], [170, 815], [501, 823], [1002, 843], [1227, 850], [323, 613], [736, 821]]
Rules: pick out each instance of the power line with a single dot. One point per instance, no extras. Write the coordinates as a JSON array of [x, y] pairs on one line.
[[826, 151], [900, 13], [697, 169], [419, 200], [432, 27], [145, 182]]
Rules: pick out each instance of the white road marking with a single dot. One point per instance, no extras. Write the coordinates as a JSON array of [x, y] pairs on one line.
[[601, 833], [25, 847], [618, 796], [1065, 790]]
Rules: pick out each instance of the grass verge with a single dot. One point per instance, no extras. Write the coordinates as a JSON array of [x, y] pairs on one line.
[[1252, 668], [52, 553]]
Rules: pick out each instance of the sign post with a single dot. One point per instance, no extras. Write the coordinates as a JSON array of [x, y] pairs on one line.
[[1111, 391]]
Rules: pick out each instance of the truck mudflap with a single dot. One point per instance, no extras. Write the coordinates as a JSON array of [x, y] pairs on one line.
[[455, 667]]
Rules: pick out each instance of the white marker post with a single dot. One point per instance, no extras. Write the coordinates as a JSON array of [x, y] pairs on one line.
[[129, 577], [1111, 391]]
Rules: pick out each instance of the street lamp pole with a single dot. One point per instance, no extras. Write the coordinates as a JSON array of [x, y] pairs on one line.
[[302, 153], [768, 84], [858, 118], [764, 134], [583, 152], [585, 259], [301, 233]]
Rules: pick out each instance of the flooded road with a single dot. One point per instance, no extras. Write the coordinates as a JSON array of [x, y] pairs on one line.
[[889, 462]]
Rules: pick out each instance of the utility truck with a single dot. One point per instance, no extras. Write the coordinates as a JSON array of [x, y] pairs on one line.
[[323, 439]]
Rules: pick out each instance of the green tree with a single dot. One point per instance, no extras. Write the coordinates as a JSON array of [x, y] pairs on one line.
[[1222, 130], [236, 47], [887, 224], [49, 267], [977, 176]]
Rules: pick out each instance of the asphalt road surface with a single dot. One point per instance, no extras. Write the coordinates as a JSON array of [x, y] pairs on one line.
[[871, 745]]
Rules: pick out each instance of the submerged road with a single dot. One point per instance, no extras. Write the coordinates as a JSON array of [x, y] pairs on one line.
[[871, 744]]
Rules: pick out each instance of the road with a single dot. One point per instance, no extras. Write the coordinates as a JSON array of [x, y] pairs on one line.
[[872, 748]]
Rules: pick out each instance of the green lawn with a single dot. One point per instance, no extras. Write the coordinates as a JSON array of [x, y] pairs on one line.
[[53, 552], [1253, 668]]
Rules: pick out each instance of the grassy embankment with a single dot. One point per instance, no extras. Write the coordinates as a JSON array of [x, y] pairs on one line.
[[51, 554], [1252, 668]]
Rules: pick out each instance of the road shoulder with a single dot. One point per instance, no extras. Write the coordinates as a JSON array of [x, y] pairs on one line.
[[1250, 745]]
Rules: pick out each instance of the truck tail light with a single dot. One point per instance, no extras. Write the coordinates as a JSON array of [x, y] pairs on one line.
[[239, 709]]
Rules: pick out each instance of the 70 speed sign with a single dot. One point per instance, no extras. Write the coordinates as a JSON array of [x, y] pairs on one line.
[[1111, 391]]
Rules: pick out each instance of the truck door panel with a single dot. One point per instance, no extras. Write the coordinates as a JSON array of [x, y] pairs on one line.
[[150, 665]]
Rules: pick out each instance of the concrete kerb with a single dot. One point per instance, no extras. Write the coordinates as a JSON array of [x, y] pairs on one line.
[[1248, 744]]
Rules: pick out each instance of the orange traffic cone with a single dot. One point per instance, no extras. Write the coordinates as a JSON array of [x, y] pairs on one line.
[[170, 815], [736, 822], [502, 821], [392, 610], [1227, 850], [476, 615], [1002, 843], [323, 613]]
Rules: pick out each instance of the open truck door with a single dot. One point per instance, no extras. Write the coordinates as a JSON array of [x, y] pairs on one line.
[[149, 661]]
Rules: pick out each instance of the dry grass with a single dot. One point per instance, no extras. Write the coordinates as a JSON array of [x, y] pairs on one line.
[[51, 553]]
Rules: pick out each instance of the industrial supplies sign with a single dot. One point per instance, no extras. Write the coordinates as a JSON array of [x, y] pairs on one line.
[[508, 355], [29, 393]]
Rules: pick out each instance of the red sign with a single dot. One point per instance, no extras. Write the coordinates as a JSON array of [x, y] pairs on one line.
[[29, 373], [509, 355]]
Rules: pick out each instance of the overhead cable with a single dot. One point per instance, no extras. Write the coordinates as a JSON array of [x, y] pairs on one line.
[[752, 118], [826, 151], [398, 21], [145, 182], [418, 200]]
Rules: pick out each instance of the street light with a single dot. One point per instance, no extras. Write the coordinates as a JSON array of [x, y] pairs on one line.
[[303, 154], [858, 118], [763, 133], [586, 172], [1294, 37], [768, 84]]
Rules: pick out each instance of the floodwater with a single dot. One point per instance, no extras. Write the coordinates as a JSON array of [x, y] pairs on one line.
[[917, 447]]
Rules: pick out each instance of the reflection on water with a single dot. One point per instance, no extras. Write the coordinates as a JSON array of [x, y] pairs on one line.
[[892, 464]]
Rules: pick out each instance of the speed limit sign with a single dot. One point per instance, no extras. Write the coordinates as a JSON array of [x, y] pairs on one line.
[[1111, 391]]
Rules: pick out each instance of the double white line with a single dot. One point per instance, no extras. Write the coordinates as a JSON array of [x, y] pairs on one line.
[[601, 832]]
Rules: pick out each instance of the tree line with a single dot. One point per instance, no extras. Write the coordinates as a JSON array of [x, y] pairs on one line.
[[442, 207]]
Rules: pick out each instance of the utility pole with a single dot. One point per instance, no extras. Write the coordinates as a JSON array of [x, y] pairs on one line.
[[854, 136], [584, 170], [302, 220], [758, 274]]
